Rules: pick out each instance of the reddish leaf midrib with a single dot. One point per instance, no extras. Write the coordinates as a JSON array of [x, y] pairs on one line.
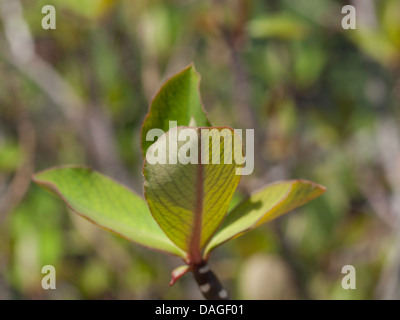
[[194, 248]]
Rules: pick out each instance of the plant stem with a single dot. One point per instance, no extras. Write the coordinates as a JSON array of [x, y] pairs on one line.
[[209, 285]]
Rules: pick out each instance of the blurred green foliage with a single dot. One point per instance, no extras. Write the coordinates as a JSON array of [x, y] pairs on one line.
[[324, 104]]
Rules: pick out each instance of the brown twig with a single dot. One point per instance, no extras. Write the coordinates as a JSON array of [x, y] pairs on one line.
[[20, 182]]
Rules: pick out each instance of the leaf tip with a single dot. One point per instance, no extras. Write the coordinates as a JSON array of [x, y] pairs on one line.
[[178, 273], [314, 185]]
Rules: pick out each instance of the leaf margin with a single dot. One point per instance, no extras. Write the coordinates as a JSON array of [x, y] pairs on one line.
[[210, 246], [158, 92], [54, 190]]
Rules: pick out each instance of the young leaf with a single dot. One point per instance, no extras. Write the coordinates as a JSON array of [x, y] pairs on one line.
[[178, 100], [189, 201], [178, 273], [271, 202], [108, 205]]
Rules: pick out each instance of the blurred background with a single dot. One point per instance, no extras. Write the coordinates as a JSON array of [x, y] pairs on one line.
[[323, 102]]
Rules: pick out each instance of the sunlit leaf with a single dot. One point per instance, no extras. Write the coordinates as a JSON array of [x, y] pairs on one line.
[[178, 100], [107, 204], [265, 205], [189, 201]]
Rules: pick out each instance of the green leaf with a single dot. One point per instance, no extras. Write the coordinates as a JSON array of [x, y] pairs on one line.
[[178, 100], [281, 26], [265, 205], [189, 201], [107, 204]]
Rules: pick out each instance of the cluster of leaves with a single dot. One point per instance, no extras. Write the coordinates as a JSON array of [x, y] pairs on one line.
[[187, 204]]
